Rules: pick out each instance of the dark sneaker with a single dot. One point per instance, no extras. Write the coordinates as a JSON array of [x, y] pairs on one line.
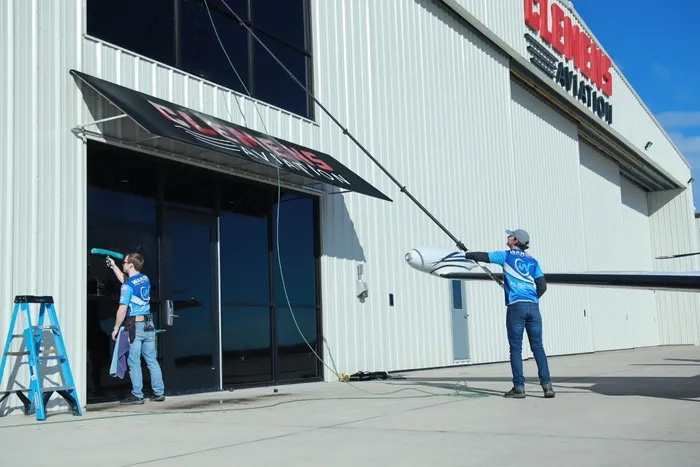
[[131, 400], [515, 393], [548, 391], [155, 398]]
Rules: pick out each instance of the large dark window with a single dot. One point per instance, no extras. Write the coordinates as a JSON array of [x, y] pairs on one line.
[[180, 33], [211, 246], [145, 27]]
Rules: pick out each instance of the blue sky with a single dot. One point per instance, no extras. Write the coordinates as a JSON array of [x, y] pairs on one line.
[[657, 47]]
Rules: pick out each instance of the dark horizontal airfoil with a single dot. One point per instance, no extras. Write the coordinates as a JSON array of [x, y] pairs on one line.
[[680, 282]]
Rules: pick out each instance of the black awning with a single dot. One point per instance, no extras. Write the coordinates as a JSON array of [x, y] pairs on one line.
[[168, 120]]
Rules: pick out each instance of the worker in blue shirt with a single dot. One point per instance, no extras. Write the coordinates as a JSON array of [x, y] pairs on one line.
[[524, 284], [135, 313]]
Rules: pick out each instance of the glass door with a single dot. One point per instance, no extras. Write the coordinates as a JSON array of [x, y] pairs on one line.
[[190, 344]]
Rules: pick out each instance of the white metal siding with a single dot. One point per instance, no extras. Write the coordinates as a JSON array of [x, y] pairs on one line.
[[673, 231], [639, 257], [549, 208], [42, 239], [631, 118], [604, 246], [413, 94]]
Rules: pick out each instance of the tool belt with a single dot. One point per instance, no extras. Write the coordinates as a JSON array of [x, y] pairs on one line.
[[130, 325]]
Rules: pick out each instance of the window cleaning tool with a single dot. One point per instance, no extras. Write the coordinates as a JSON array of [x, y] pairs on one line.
[[103, 252], [107, 254]]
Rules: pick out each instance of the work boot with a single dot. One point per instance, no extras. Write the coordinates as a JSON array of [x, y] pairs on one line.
[[155, 398], [548, 391], [131, 400], [516, 393]]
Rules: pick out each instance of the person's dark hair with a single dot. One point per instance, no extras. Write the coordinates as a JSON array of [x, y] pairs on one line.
[[522, 246], [135, 259]]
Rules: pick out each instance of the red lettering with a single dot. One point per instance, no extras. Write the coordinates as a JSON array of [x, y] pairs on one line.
[[605, 75], [190, 120], [558, 28], [300, 156], [532, 19], [584, 43], [243, 137], [317, 161], [270, 146], [167, 113], [568, 39], [595, 66], [545, 32], [222, 132]]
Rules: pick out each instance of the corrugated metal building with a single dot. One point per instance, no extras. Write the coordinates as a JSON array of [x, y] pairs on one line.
[[469, 105]]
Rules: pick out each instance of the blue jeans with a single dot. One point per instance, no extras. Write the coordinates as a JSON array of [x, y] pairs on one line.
[[144, 344], [525, 315]]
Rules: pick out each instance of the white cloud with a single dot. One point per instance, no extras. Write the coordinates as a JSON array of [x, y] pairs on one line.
[[689, 146], [679, 119]]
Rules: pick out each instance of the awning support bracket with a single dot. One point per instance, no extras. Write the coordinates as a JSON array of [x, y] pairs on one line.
[[80, 131], [103, 120]]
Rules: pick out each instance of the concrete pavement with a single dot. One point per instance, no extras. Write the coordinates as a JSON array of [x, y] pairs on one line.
[[634, 407]]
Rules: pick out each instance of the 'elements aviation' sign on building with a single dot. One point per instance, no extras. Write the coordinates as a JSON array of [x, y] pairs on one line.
[[593, 86]]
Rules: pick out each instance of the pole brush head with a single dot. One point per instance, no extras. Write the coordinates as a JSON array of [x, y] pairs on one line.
[[103, 252]]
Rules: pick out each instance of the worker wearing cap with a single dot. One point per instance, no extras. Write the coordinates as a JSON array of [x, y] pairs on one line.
[[524, 284]]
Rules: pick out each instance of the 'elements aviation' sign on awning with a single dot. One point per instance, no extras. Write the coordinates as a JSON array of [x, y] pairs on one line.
[[169, 120]]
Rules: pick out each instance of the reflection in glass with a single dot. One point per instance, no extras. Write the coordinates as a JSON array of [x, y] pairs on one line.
[[294, 358], [150, 31], [297, 251], [200, 51], [245, 266], [272, 84], [247, 352], [284, 19], [188, 187], [192, 334]]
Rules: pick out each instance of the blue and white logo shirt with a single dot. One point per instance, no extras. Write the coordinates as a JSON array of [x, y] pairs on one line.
[[136, 295], [519, 271]]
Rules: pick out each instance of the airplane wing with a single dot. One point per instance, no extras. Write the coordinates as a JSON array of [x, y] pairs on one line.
[[681, 255], [648, 280], [450, 264]]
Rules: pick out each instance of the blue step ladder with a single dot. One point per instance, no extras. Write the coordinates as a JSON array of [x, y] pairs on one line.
[[37, 395]]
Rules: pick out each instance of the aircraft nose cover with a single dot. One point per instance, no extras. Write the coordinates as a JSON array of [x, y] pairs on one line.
[[414, 259]]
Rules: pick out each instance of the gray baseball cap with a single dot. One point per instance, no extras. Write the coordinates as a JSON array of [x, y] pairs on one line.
[[520, 235]]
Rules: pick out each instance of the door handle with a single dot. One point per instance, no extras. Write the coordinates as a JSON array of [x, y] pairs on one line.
[[169, 312]]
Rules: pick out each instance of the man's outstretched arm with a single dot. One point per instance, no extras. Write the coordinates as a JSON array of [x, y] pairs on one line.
[[479, 256], [495, 257]]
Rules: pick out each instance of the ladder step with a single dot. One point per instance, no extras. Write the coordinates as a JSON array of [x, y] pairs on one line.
[[58, 388], [46, 328], [15, 336], [16, 353], [33, 299], [53, 357]]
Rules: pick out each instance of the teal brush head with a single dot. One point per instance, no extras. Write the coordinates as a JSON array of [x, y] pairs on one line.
[[103, 252]]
